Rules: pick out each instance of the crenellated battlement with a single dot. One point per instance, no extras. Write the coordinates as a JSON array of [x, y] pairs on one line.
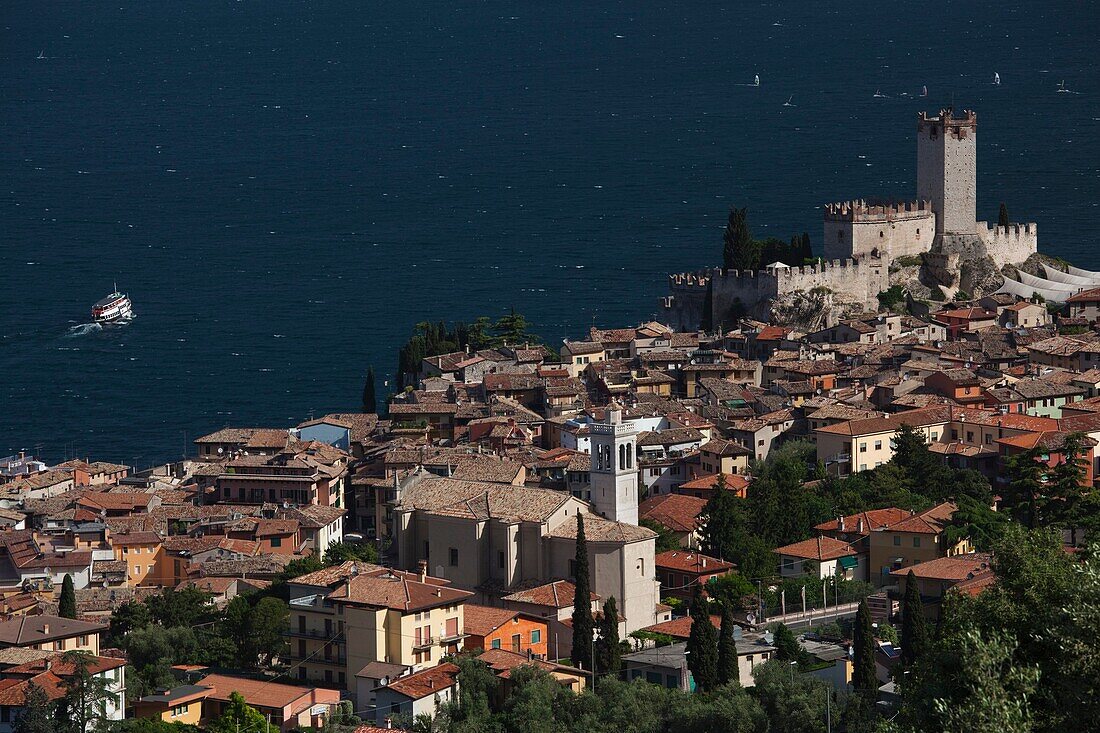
[[860, 211], [1011, 244], [945, 123]]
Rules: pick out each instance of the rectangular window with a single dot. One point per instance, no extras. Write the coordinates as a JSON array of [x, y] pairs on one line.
[[496, 644], [454, 557], [276, 541], [862, 447], [536, 636], [897, 541], [878, 445], [916, 542]]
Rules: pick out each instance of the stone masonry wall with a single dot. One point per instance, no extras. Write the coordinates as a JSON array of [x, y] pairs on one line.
[[947, 169], [1009, 246], [854, 229]]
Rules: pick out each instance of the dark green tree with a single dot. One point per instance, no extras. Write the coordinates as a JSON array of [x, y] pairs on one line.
[[727, 648], [975, 520], [1023, 495], [66, 605], [609, 649], [721, 521], [512, 329], [583, 625], [864, 679], [666, 538], [129, 616], [370, 393], [477, 686], [739, 250], [37, 715], [240, 716], [266, 622], [702, 645], [787, 647], [186, 607], [83, 707], [914, 627], [1067, 489], [1002, 216], [341, 552]]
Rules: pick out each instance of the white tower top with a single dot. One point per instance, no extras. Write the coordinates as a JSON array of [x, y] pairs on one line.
[[614, 475]]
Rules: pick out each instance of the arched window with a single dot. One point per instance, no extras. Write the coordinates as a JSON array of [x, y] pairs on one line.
[[622, 456], [629, 457]]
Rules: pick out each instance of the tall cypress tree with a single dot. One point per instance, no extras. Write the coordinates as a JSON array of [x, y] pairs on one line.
[[727, 648], [702, 645], [1002, 216], [864, 678], [807, 251], [739, 250], [914, 629], [370, 394], [582, 604], [66, 605], [608, 648]]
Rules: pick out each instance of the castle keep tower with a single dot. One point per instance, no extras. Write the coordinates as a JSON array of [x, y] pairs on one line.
[[614, 477], [947, 169]]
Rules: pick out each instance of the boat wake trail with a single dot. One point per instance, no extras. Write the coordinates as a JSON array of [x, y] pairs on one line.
[[83, 329]]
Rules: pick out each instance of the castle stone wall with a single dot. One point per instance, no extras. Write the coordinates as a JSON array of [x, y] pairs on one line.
[[947, 172], [855, 229], [1009, 245], [752, 292]]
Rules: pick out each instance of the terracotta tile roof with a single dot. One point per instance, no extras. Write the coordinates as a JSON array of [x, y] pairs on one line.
[[598, 529], [13, 692], [480, 499], [60, 667], [556, 594], [484, 620], [691, 562], [677, 512], [734, 482], [930, 521], [267, 694], [135, 538], [818, 548], [870, 520], [583, 347], [327, 577], [724, 448], [398, 591], [955, 567], [428, 682], [27, 630], [37, 481], [1085, 296], [679, 628], [772, 333]]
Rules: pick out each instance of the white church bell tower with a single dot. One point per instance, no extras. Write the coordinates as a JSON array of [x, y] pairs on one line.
[[614, 477]]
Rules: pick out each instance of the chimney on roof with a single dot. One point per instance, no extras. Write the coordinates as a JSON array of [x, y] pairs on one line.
[[387, 722], [423, 567], [45, 628], [347, 587], [861, 525], [840, 523]]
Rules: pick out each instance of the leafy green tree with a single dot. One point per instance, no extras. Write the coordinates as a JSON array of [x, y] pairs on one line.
[[129, 616], [727, 648], [186, 607], [739, 250], [240, 716], [914, 627], [864, 678], [733, 591], [37, 715], [609, 649], [477, 686], [370, 393], [583, 625], [721, 521], [975, 520], [787, 648], [152, 651], [266, 622], [66, 605], [702, 645], [1002, 216], [1067, 489], [153, 725], [792, 703], [666, 538], [341, 552]]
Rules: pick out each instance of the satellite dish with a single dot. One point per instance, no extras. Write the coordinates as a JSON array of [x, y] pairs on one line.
[[220, 450]]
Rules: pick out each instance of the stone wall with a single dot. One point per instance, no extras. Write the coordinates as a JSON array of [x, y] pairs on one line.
[[947, 169], [1009, 245], [752, 292], [857, 229]]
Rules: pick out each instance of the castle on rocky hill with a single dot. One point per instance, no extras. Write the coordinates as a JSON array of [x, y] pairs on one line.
[[862, 238]]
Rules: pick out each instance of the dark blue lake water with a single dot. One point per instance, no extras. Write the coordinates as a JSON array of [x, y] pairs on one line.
[[285, 188]]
